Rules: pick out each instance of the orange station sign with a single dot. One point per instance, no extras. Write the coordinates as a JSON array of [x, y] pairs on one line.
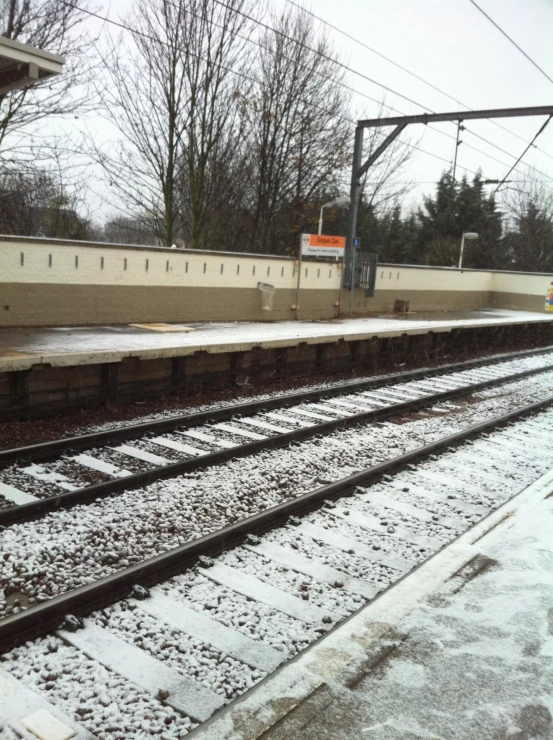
[[322, 245]]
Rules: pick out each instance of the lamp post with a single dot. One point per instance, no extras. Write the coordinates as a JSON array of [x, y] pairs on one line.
[[341, 202], [466, 235]]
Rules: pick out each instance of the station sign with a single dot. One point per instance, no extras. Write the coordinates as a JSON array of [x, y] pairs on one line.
[[321, 245]]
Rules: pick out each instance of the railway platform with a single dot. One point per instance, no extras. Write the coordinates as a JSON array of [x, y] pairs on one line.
[[73, 366], [460, 648]]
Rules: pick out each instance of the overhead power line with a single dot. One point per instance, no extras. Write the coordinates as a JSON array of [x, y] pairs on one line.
[[150, 38], [348, 68], [363, 94], [423, 80], [314, 51], [244, 76], [522, 155], [513, 42]]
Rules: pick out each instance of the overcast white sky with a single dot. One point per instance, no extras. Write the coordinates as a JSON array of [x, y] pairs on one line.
[[453, 46]]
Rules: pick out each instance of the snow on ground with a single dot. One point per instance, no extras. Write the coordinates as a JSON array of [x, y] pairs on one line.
[[112, 343], [102, 701]]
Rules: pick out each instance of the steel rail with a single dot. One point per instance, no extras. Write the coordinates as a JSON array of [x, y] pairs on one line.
[[46, 450], [43, 618], [69, 499]]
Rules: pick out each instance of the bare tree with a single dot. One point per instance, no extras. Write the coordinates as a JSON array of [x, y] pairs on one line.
[[216, 69], [55, 26], [528, 240], [41, 203], [298, 127], [145, 98], [228, 135], [122, 230], [171, 91]]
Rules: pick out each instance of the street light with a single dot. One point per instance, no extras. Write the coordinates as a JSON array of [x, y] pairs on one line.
[[466, 235], [341, 202]]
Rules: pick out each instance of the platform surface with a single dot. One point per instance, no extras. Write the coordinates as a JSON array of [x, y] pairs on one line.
[[20, 349]]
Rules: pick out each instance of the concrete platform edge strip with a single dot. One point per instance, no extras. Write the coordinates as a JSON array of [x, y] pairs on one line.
[[61, 359]]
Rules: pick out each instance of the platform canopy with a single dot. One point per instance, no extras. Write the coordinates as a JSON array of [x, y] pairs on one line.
[[22, 65]]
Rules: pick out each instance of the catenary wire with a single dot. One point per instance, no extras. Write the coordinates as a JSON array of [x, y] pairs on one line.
[[244, 76], [341, 64], [491, 20], [417, 77], [365, 95], [346, 67], [522, 155]]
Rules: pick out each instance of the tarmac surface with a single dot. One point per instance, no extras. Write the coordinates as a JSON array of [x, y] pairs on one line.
[[20, 349]]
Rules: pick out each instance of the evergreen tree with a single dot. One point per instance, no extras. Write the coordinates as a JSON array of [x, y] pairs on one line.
[[454, 209], [477, 212]]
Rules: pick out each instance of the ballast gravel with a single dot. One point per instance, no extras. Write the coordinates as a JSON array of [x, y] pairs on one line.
[[106, 704], [333, 599], [80, 475], [218, 672], [348, 563], [73, 547], [253, 619]]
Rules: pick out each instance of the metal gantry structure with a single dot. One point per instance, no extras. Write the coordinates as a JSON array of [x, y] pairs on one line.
[[360, 168]]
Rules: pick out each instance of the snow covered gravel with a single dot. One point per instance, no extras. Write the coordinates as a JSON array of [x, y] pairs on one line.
[[6, 733], [251, 618], [72, 547], [349, 563], [332, 599], [112, 707], [220, 673], [67, 473], [103, 702]]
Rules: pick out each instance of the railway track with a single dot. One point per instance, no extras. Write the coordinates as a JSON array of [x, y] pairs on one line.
[[83, 469], [186, 647], [157, 644]]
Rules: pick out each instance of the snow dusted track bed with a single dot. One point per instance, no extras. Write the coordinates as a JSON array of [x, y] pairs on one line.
[[158, 662], [64, 473]]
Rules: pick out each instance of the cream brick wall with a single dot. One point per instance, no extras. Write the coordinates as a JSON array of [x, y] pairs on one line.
[[81, 264], [52, 282], [521, 283], [400, 278], [93, 265]]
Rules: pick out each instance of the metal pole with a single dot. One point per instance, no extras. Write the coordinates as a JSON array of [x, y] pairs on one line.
[[462, 249], [321, 221], [462, 115], [341, 284], [459, 129], [353, 208], [298, 284], [354, 251]]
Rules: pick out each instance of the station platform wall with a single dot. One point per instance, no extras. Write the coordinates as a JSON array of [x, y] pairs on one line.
[[45, 282]]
